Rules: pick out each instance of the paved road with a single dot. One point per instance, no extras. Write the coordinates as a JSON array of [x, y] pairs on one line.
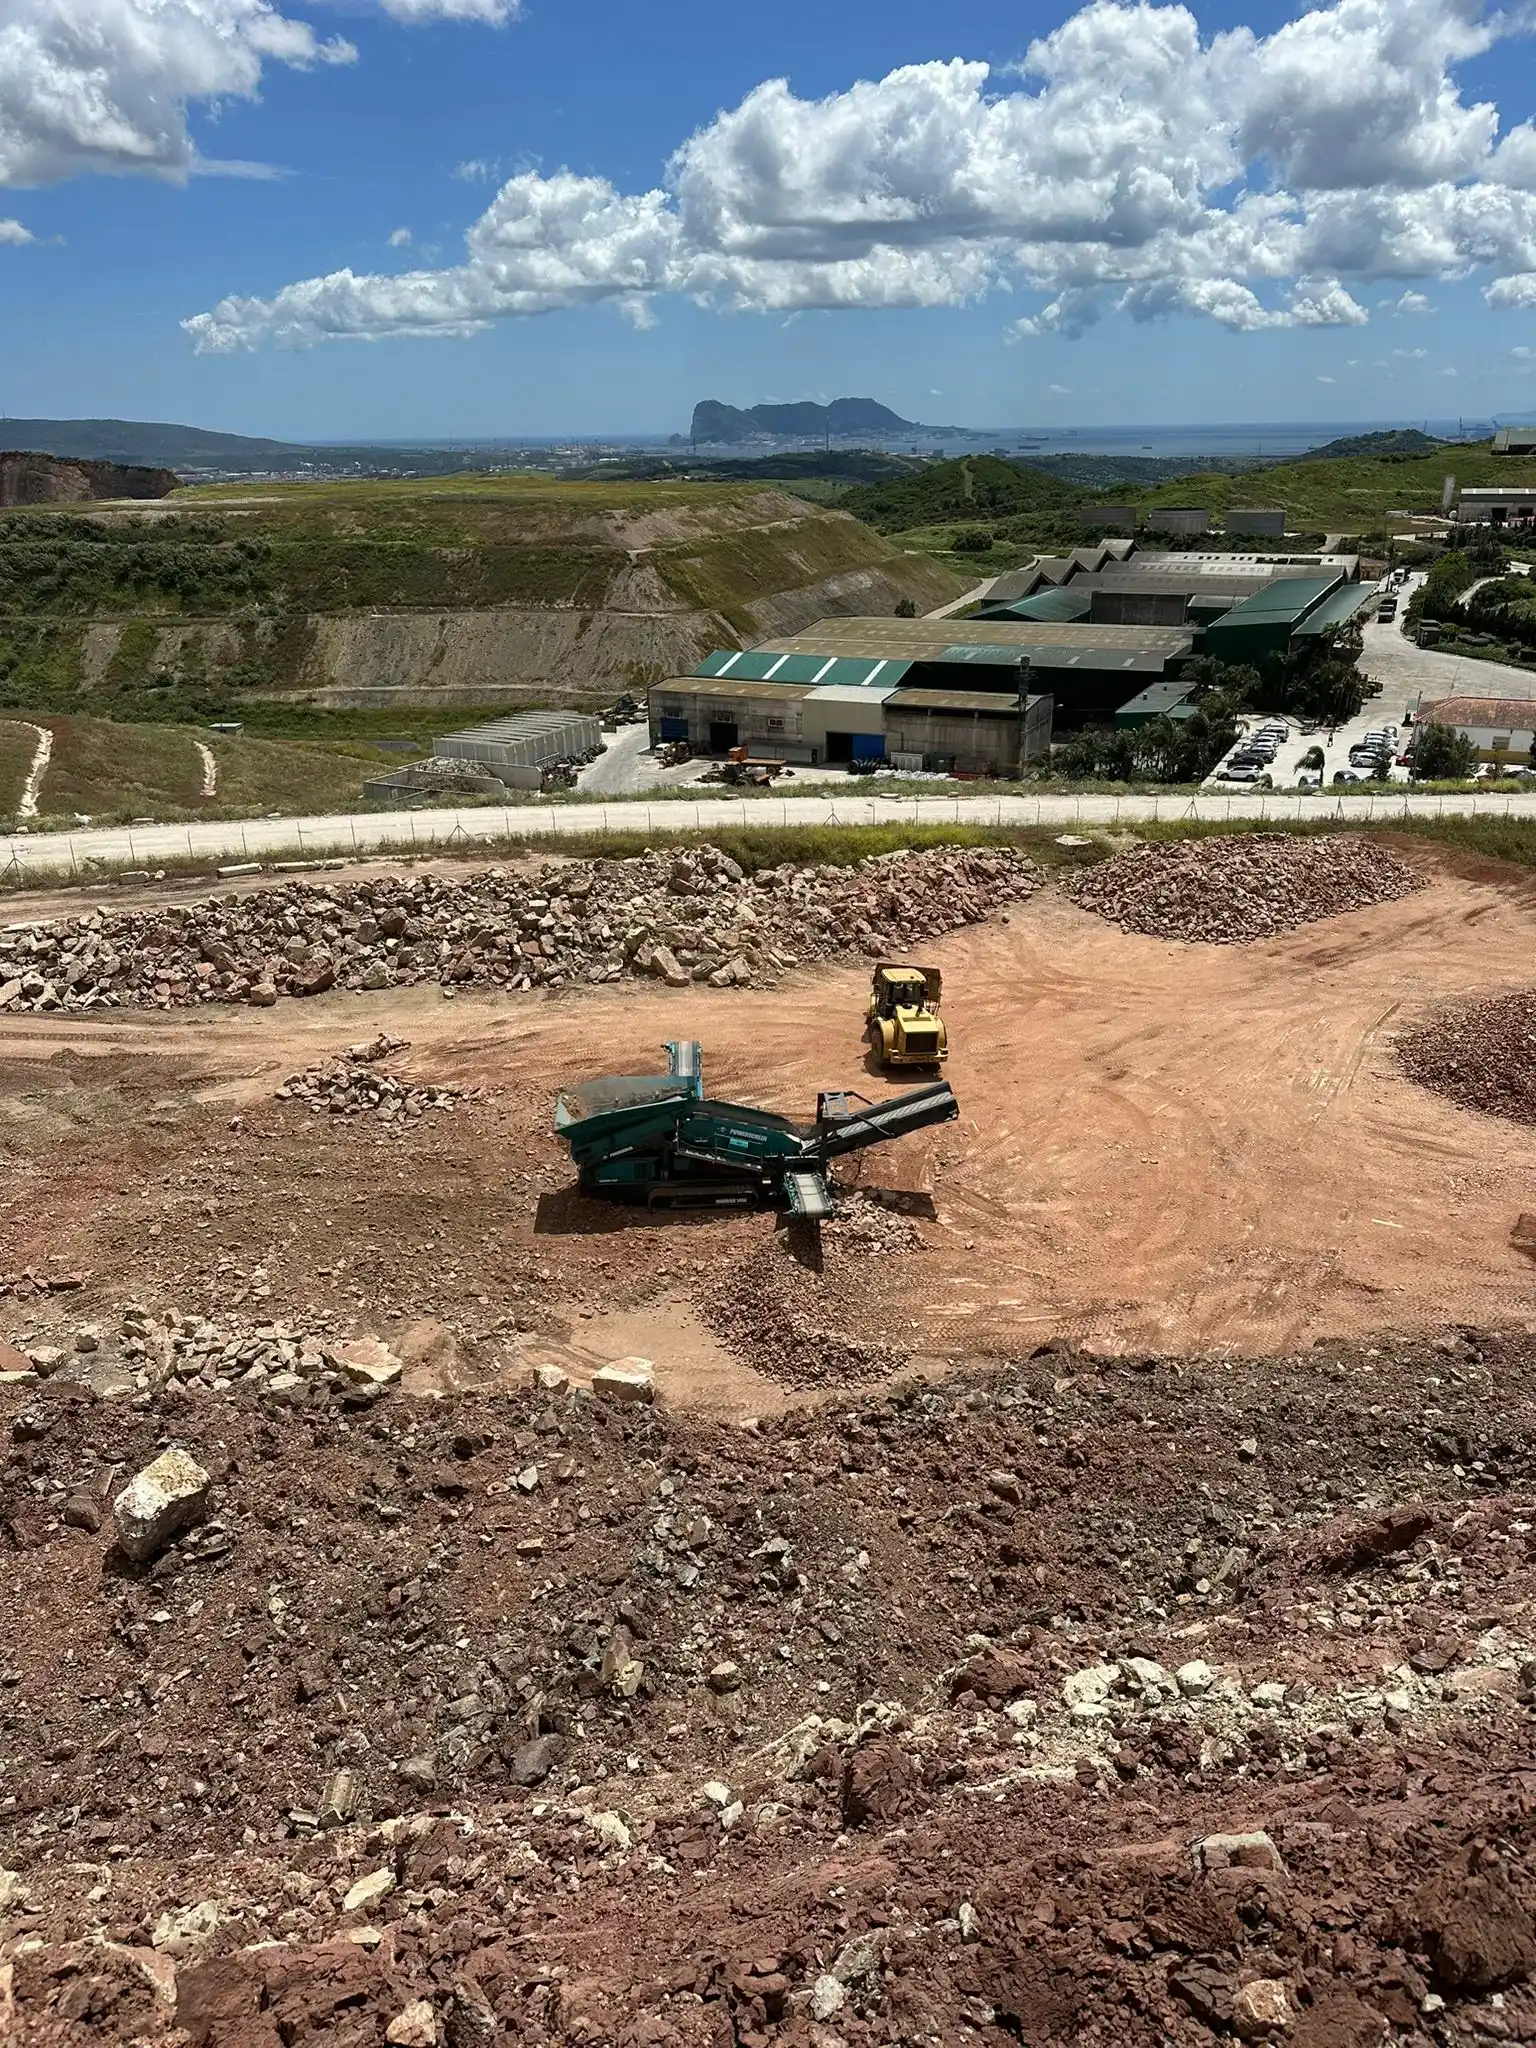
[[151, 846], [1406, 671]]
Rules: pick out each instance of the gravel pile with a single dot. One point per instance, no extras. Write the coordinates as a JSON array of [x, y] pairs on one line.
[[1230, 891], [679, 917], [798, 1323], [1481, 1054], [354, 1085]]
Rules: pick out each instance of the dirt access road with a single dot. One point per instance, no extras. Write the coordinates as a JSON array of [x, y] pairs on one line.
[[1161, 1148]]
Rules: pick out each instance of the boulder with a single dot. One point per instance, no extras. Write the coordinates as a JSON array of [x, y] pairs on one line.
[[158, 1502], [626, 1379]]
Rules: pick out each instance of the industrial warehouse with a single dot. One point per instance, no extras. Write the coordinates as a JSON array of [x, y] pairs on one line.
[[1100, 637]]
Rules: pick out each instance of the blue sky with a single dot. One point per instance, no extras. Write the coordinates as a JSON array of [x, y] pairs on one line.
[[1253, 213]]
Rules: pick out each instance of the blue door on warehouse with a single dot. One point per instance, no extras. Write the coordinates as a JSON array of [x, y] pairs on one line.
[[855, 746]]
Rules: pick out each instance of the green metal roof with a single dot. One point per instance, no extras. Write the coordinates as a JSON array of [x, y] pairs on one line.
[[1337, 608], [758, 665], [1167, 698], [1287, 601]]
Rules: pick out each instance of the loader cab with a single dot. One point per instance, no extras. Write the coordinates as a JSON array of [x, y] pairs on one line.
[[900, 988]]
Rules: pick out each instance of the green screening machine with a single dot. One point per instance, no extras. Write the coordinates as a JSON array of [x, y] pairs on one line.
[[658, 1139]]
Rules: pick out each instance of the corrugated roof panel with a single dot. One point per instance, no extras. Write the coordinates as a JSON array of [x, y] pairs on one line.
[[852, 693], [730, 686], [1289, 599], [1070, 602], [991, 657], [997, 703], [1337, 608], [850, 672], [926, 639]]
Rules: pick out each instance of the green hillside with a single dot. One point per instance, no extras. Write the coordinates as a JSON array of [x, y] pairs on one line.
[[976, 487], [1343, 493], [113, 773], [419, 600]]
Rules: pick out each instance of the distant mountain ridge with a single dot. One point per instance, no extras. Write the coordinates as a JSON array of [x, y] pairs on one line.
[[154, 444], [715, 422]]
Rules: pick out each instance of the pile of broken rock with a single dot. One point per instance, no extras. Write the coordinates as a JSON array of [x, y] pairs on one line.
[[354, 1084], [686, 917]]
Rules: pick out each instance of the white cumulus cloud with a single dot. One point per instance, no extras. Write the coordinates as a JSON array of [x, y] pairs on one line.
[[106, 85], [400, 238], [14, 236], [493, 12], [1261, 182]]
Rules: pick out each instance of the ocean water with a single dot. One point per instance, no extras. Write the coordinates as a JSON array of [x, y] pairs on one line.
[[1275, 440]]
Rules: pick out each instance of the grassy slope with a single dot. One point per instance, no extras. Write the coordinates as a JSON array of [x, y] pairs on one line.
[[1344, 494], [276, 775], [112, 772], [100, 768], [975, 487]]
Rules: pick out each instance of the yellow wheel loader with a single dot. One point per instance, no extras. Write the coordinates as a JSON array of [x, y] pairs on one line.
[[904, 1027]]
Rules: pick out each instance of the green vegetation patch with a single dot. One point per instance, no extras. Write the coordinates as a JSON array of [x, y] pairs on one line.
[[119, 771], [39, 664], [258, 775], [977, 487], [729, 572]]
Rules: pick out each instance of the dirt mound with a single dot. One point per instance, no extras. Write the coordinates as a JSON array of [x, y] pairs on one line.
[[1230, 891], [1481, 1054], [685, 917]]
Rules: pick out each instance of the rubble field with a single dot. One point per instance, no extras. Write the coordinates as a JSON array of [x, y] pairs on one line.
[[1085, 1594], [1480, 1053], [1077, 1700], [681, 917], [1232, 890]]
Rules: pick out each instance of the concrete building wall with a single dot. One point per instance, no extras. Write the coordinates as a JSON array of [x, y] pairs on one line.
[[1112, 607], [1122, 518], [969, 744], [1511, 506], [768, 723], [1179, 519], [842, 725]]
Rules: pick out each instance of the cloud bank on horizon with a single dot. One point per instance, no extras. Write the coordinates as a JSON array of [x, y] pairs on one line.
[[1127, 163]]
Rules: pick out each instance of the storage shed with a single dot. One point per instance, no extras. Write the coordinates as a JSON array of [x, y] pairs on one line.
[[515, 750]]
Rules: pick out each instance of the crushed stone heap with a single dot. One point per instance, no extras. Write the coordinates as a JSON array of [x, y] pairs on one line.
[[681, 917], [1230, 891], [1481, 1054], [354, 1084]]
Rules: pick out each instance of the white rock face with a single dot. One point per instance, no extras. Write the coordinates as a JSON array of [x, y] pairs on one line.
[[158, 1502]]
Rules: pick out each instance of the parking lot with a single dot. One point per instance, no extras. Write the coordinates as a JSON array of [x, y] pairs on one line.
[[1389, 708]]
